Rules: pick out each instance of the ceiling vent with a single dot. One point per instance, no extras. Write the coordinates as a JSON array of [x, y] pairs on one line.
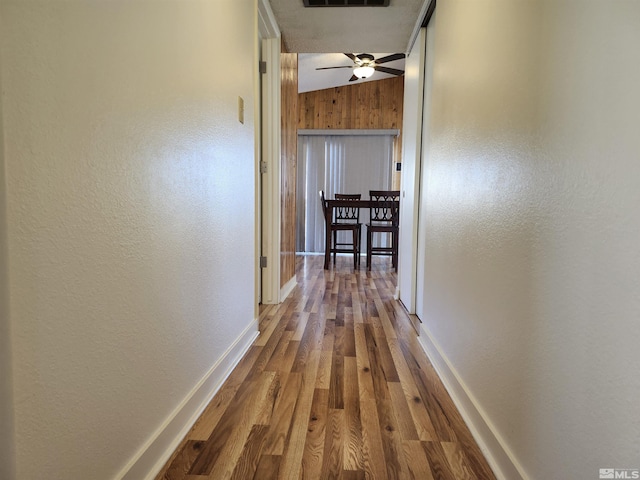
[[346, 3]]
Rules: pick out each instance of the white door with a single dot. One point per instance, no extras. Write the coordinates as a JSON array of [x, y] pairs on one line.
[[422, 256]]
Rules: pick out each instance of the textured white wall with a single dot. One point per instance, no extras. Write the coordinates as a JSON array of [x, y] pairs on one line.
[[533, 266], [131, 216]]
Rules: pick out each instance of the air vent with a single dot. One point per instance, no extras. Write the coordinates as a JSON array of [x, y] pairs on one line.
[[346, 3]]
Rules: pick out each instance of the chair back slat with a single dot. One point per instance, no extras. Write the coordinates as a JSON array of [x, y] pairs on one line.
[[385, 214], [347, 214]]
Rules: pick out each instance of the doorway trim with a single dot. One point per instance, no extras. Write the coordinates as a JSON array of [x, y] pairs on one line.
[[268, 169], [411, 167]]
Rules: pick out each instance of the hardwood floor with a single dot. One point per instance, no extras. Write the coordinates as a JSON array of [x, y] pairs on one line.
[[335, 386]]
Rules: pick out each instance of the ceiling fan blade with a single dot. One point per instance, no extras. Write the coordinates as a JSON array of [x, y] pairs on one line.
[[392, 71], [351, 56], [390, 58], [329, 68], [353, 78]]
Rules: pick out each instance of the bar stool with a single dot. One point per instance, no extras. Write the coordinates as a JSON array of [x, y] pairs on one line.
[[345, 219], [384, 220]]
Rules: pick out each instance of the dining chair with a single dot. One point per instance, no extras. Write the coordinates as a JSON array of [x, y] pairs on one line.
[[345, 219], [383, 220]]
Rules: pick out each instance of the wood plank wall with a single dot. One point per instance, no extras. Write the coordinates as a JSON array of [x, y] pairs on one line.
[[289, 160], [361, 105]]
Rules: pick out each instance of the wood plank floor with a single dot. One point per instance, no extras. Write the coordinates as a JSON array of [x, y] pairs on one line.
[[335, 386]]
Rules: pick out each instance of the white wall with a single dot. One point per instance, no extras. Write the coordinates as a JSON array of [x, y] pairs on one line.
[[533, 268], [130, 209]]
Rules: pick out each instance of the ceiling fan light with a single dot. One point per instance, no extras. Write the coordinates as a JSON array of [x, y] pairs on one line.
[[363, 72]]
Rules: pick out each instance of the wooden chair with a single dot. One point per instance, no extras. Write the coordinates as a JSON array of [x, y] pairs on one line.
[[345, 219], [384, 220]]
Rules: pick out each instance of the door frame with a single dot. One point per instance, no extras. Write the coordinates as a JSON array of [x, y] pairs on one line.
[[410, 174], [414, 141], [268, 164], [421, 205]]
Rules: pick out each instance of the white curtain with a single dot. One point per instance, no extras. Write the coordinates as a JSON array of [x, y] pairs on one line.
[[337, 164]]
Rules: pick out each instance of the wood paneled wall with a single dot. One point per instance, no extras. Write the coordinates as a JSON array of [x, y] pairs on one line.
[[361, 105], [289, 160]]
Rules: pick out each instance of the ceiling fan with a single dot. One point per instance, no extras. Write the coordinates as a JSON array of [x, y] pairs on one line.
[[364, 65]]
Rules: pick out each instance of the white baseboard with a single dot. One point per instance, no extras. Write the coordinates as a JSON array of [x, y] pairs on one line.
[[494, 448], [288, 288], [158, 449]]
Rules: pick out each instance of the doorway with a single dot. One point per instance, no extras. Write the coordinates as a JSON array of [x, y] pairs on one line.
[[353, 162]]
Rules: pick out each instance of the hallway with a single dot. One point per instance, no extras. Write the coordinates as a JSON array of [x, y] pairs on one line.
[[335, 386]]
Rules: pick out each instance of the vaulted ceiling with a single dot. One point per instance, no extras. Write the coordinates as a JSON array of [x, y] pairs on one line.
[[310, 79]]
